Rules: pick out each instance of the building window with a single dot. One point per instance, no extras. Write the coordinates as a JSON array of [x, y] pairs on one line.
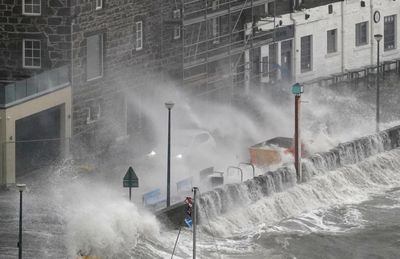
[[273, 61], [99, 4], [332, 41], [177, 32], [93, 113], [389, 40], [264, 66], [31, 53], [216, 23], [177, 14], [31, 7], [94, 57], [361, 33], [139, 35], [306, 53], [270, 11]]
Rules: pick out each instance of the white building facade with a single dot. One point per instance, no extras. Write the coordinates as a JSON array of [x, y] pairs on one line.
[[335, 38]]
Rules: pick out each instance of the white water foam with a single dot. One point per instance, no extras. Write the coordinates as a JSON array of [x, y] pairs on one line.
[[97, 219], [309, 207], [347, 185], [106, 224]]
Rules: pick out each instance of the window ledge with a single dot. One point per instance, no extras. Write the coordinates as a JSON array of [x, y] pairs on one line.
[[361, 48], [333, 54], [31, 67], [32, 14], [389, 52], [94, 78], [306, 73]]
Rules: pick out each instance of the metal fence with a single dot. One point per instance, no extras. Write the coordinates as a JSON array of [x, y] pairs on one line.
[[46, 81]]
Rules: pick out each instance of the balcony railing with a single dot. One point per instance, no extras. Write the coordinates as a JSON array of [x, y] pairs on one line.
[[22, 90]]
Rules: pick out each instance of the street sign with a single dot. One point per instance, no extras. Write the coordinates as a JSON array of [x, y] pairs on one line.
[[130, 179], [297, 89]]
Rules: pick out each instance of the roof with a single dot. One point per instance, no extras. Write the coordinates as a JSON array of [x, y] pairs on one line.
[[283, 142]]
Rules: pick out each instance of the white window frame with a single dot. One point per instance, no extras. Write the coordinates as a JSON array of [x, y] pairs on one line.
[[99, 4], [177, 32], [32, 57], [93, 113], [24, 12], [101, 58], [393, 19], [139, 35], [176, 14]]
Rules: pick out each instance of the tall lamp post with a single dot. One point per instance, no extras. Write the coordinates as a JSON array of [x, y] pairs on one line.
[[21, 188], [169, 106], [378, 38]]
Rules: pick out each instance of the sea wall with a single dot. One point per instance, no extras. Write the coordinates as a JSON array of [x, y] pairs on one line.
[[220, 200]]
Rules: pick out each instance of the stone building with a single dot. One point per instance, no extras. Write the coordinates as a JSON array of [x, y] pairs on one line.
[[35, 37], [35, 90], [80, 58], [95, 53]]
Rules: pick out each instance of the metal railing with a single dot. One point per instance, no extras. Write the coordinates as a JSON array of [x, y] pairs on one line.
[[238, 169], [249, 164], [37, 84]]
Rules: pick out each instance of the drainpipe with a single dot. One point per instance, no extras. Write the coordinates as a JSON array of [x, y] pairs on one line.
[[294, 42], [343, 36], [68, 141]]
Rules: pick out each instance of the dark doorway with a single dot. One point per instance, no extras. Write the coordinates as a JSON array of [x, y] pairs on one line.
[[37, 140], [286, 60]]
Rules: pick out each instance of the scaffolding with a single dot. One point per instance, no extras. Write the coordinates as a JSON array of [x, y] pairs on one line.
[[220, 40]]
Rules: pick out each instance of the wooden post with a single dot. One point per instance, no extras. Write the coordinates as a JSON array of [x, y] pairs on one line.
[[297, 145]]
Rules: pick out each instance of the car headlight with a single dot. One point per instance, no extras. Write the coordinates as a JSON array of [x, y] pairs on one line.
[[152, 153]]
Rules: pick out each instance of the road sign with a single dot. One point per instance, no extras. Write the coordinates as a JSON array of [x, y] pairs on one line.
[[297, 89], [130, 179]]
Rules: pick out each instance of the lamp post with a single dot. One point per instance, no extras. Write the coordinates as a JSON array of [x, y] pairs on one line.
[[378, 38], [297, 90], [21, 188], [169, 106]]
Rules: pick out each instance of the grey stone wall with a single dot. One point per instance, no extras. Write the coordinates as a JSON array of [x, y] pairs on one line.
[[127, 71], [171, 49], [63, 29], [51, 27]]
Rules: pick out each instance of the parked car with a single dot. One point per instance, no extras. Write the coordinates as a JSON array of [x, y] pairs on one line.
[[191, 146]]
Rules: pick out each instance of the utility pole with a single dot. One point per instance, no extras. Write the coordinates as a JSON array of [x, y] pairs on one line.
[[297, 90], [195, 189]]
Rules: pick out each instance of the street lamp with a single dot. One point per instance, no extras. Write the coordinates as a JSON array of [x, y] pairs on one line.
[[378, 38], [169, 106], [21, 188]]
